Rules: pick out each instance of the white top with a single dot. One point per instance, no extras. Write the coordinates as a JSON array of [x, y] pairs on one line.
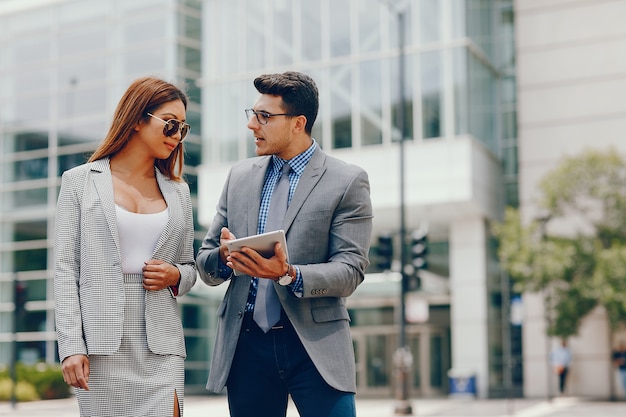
[[139, 234]]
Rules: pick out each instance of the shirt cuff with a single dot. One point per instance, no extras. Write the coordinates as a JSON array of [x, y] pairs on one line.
[[298, 285], [223, 271]]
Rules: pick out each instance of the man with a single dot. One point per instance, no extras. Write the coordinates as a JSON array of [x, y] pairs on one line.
[[561, 359], [308, 353], [619, 360]]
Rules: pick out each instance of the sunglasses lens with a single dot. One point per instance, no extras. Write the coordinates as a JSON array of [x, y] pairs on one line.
[[171, 127], [184, 131]]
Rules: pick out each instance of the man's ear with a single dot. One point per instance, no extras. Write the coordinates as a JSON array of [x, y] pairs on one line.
[[300, 123]]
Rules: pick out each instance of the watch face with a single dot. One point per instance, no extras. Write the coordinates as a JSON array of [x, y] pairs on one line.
[[285, 280]]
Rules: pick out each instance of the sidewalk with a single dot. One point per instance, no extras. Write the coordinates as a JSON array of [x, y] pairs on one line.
[[216, 406]]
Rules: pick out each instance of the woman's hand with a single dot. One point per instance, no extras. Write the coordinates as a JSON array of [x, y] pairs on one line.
[[158, 274], [76, 371]]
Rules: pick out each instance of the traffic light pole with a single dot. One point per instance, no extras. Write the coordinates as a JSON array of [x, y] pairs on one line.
[[402, 358]]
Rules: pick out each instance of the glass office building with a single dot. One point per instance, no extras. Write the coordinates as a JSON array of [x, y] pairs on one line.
[[65, 63], [457, 100], [63, 67]]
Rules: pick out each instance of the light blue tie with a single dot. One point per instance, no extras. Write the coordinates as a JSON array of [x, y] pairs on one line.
[[267, 305]]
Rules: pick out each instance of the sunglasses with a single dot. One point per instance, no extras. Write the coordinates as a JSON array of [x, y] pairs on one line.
[[172, 126]]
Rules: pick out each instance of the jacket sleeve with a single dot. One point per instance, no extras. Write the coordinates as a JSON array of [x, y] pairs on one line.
[[185, 258], [207, 260], [68, 319]]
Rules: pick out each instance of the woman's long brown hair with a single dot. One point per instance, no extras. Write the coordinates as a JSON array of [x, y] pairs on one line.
[[143, 96]]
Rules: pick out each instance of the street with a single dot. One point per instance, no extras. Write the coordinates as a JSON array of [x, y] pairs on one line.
[[216, 406]]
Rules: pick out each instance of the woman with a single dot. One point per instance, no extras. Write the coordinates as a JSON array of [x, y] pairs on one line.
[[124, 252]]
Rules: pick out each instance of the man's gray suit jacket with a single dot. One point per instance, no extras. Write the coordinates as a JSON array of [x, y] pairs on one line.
[[328, 226], [88, 278]]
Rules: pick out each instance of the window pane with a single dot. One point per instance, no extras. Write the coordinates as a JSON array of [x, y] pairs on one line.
[[79, 12], [431, 94], [32, 109], [24, 231], [436, 361], [192, 154], [30, 260], [369, 25], [79, 101], [70, 161], [311, 34], [144, 30], [461, 111], [135, 5], [78, 131], [81, 41], [29, 169], [147, 61], [193, 91], [340, 29], [283, 32], [26, 141], [31, 52], [190, 58], [191, 27], [378, 361], [23, 198], [75, 73], [430, 20], [31, 81], [255, 35], [229, 122], [371, 103], [481, 102], [36, 20], [341, 109], [195, 121]]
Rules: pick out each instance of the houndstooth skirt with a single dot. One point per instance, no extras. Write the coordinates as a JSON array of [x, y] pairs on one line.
[[134, 381]]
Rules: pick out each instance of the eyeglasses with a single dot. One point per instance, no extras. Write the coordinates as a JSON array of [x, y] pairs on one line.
[[262, 116], [172, 126]]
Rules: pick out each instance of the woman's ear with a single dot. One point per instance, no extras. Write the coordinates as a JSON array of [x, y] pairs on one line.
[[138, 125]]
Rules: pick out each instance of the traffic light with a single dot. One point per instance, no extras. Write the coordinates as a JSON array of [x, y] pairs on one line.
[[419, 249], [384, 252]]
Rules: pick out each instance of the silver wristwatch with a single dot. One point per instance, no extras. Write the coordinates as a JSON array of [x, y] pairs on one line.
[[289, 277]]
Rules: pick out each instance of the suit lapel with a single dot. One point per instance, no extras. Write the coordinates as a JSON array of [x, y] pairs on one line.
[[102, 181], [308, 180], [254, 192]]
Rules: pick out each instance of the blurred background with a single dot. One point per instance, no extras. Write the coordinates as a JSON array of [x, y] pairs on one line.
[[457, 109]]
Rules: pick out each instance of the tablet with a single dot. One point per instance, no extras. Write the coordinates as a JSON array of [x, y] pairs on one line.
[[263, 243]]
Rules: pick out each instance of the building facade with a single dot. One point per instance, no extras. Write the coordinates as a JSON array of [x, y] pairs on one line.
[[571, 84], [457, 99], [64, 65]]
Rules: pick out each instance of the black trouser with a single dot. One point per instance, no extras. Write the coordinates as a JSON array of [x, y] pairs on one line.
[[562, 377]]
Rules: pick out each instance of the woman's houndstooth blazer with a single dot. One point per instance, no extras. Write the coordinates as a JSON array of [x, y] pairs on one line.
[[88, 278]]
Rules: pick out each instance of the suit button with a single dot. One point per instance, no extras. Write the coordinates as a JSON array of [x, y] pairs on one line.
[[240, 314]]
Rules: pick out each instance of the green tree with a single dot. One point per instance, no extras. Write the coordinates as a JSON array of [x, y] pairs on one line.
[[585, 266]]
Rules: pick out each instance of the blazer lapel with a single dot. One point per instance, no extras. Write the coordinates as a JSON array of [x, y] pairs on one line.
[[103, 183], [170, 194]]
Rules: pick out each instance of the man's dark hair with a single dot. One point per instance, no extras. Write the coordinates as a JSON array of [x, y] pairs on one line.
[[298, 91]]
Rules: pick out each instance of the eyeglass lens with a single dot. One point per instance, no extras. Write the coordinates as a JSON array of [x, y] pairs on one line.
[[260, 116]]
